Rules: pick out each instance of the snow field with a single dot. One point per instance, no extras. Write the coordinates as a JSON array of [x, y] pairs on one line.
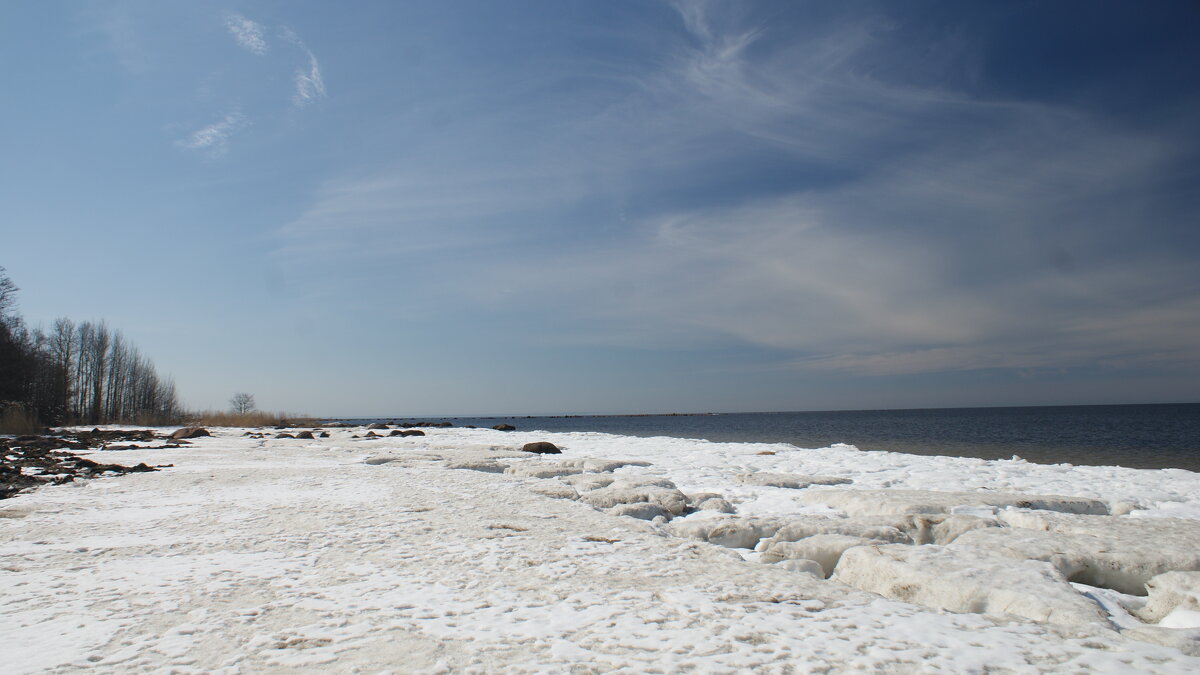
[[287, 555]]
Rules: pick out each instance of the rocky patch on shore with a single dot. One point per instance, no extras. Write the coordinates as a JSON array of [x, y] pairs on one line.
[[30, 461]]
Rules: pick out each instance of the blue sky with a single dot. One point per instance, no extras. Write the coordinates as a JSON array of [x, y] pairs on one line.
[[433, 208]]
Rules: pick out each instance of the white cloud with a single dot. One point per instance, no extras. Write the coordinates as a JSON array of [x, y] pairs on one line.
[[213, 140], [309, 85], [248, 34]]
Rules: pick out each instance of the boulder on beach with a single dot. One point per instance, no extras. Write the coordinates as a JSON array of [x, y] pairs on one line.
[[541, 448], [284, 435], [189, 432], [377, 425], [412, 432], [305, 434], [504, 427]]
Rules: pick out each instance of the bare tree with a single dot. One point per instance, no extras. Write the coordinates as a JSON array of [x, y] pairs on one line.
[[242, 403], [78, 372], [8, 293]]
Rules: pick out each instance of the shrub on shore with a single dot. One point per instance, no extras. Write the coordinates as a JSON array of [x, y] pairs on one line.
[[253, 418], [16, 419]]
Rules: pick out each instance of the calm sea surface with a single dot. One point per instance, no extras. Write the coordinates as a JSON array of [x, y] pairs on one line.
[[1140, 436]]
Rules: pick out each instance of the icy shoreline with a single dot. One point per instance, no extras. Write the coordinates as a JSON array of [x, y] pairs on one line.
[[275, 555]]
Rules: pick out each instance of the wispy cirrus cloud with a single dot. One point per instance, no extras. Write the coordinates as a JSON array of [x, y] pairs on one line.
[[248, 34], [945, 231], [309, 83], [213, 139]]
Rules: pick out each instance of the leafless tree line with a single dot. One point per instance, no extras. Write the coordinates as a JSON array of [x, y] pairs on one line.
[[78, 373]]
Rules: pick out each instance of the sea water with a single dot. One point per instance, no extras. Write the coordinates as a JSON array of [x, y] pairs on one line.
[[1154, 436]]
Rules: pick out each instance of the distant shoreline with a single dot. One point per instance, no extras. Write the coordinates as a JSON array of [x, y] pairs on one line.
[[752, 412], [1144, 436]]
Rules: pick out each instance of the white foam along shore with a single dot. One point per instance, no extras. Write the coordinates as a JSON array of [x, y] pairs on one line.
[[457, 552]]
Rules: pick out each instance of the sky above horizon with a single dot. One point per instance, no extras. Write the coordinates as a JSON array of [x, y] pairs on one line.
[[465, 208]]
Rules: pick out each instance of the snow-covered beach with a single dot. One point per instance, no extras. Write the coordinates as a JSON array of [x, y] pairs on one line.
[[455, 551]]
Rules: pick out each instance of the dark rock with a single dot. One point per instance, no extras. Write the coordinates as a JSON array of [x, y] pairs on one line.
[[284, 436], [49, 463], [186, 432], [305, 434], [396, 432], [371, 434], [469, 426], [324, 434], [504, 427], [541, 448], [377, 425], [412, 432]]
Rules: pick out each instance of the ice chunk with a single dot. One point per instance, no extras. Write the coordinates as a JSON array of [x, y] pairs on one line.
[[1175, 531], [906, 529], [953, 526], [670, 499], [716, 504], [376, 461], [901, 502], [728, 532], [644, 481], [824, 549], [1186, 640], [803, 567], [788, 480], [1121, 561], [875, 529], [485, 465], [967, 580], [601, 465], [1168, 593], [541, 470], [586, 482], [553, 488], [641, 510]]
